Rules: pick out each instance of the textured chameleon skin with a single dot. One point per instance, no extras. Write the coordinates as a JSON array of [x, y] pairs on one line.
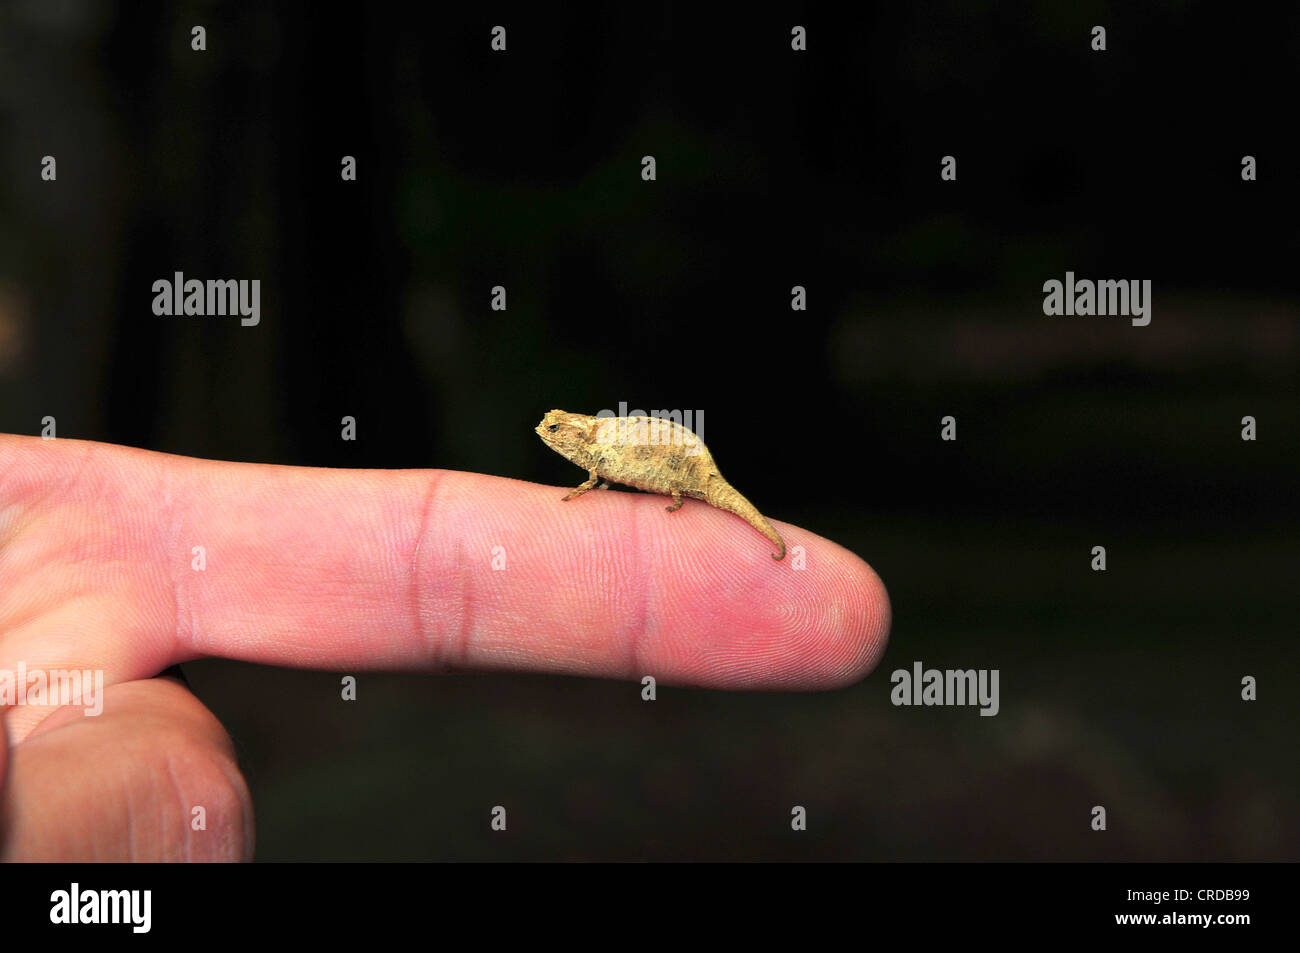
[[651, 454]]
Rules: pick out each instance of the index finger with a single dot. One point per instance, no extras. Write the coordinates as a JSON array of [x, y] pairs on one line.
[[170, 558]]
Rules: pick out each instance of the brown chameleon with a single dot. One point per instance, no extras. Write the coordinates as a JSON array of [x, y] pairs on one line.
[[652, 454]]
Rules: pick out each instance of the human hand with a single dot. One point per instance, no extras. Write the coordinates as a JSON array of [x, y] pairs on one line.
[[352, 570]]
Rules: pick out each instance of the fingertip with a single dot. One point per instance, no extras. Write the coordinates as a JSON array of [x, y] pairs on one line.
[[817, 622], [859, 643]]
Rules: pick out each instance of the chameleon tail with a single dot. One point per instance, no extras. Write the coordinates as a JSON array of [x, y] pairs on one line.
[[718, 492]]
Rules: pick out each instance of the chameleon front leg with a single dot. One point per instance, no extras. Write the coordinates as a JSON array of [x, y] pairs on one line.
[[677, 500], [582, 487]]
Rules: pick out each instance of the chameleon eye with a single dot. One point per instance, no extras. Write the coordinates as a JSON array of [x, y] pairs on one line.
[[553, 427]]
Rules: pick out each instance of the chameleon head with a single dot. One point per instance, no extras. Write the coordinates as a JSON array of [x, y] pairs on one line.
[[567, 434]]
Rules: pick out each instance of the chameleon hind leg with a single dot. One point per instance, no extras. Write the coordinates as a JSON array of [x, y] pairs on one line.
[[677, 501]]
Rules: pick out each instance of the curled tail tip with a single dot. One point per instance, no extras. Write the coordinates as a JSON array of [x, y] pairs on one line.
[[780, 555]]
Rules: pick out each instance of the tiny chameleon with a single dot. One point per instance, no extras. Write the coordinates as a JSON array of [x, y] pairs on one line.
[[651, 454]]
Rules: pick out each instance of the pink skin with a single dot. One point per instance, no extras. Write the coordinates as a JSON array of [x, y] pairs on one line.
[[354, 570]]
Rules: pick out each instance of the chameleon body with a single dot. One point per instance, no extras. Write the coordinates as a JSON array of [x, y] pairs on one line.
[[651, 454]]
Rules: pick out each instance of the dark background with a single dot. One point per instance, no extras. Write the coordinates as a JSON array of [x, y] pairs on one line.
[[775, 168]]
